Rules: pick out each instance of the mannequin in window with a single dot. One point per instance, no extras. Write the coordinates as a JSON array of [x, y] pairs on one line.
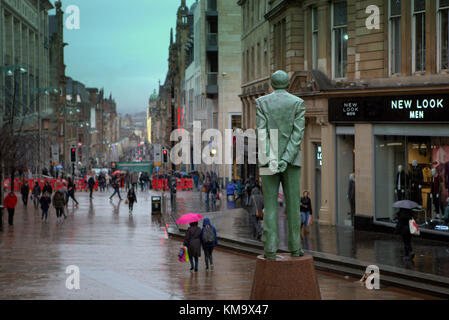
[[416, 182], [351, 195], [400, 183], [435, 193]]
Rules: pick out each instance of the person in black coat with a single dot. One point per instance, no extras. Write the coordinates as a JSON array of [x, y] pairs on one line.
[[403, 228], [47, 188], [131, 199], [192, 241], [25, 191], [91, 185], [45, 201], [306, 211]]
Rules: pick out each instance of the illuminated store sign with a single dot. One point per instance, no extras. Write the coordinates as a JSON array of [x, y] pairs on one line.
[[410, 109]]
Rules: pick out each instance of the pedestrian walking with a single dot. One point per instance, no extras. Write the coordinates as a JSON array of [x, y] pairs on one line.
[[134, 180], [47, 188], [256, 211], [131, 199], [192, 241], [91, 184], [36, 193], [25, 191], [173, 185], [306, 213], [10, 203], [214, 189], [206, 189], [59, 203], [403, 228], [196, 179], [108, 181], [239, 189], [230, 190], [209, 242], [45, 206], [141, 181], [102, 182], [71, 191], [116, 186]]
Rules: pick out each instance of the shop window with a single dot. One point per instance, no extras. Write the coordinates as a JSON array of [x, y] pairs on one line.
[[339, 39], [315, 38], [443, 38], [395, 36], [416, 169], [419, 35]]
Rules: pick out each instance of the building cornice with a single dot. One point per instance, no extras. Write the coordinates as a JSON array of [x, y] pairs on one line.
[[281, 7]]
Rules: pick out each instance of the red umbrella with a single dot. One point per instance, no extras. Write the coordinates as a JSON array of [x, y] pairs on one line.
[[189, 218], [116, 172]]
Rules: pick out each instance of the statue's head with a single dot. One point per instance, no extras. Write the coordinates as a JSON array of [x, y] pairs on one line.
[[280, 80]]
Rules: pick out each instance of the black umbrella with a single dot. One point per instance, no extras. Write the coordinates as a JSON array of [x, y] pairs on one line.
[[405, 204]]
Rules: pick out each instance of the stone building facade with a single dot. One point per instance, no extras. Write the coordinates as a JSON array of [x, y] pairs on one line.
[[25, 73], [355, 70]]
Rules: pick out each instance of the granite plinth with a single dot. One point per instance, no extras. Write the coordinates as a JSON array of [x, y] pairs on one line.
[[285, 278]]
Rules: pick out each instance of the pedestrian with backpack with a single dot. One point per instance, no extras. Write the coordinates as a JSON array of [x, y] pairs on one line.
[[208, 241]]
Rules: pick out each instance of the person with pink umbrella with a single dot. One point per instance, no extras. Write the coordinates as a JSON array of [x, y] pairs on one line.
[[192, 239]]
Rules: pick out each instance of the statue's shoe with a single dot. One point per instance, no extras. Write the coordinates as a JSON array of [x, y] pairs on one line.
[[298, 253], [269, 256]]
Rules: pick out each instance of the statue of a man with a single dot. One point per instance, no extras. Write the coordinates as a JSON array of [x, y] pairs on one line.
[[286, 113]]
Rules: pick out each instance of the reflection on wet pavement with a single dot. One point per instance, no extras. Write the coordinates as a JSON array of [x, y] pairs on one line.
[[378, 248], [123, 256]]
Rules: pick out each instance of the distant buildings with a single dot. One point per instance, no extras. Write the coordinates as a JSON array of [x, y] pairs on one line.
[[58, 112], [203, 81]]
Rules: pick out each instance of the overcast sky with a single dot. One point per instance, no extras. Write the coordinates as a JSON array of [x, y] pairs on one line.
[[121, 46]]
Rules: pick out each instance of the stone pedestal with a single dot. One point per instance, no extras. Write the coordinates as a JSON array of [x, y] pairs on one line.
[[285, 278]]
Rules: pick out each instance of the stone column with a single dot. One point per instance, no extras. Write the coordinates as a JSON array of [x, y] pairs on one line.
[[364, 170], [328, 174]]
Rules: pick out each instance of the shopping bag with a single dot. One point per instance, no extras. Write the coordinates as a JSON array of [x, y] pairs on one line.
[[126, 201], [414, 230], [183, 255]]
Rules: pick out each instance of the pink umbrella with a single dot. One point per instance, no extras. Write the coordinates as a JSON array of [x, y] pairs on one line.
[[189, 218]]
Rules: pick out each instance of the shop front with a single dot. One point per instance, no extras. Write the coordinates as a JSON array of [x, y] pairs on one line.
[[391, 148]]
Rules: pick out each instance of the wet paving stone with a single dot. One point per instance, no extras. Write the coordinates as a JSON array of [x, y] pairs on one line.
[[123, 256]]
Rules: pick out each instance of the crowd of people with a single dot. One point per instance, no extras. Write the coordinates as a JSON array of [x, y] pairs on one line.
[[42, 197]]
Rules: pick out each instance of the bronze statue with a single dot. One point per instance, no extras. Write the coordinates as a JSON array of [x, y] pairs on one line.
[[286, 113]]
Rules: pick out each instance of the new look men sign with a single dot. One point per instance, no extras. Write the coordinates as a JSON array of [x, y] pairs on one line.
[[409, 109]]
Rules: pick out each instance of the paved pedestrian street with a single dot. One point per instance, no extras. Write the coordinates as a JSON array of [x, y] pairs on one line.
[[123, 256]]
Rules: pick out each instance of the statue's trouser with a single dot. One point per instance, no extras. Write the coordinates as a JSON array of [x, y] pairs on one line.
[[290, 179]]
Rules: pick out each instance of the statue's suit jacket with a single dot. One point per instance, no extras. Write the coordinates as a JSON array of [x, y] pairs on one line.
[[285, 112]]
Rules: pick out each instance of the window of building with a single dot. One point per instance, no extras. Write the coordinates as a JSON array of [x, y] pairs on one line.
[[443, 37], [265, 55], [280, 45], [253, 65], [247, 65], [419, 35], [395, 36], [259, 62], [339, 39], [315, 38], [243, 67]]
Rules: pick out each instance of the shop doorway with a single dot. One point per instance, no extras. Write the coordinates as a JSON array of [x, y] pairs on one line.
[[317, 194], [345, 167]]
